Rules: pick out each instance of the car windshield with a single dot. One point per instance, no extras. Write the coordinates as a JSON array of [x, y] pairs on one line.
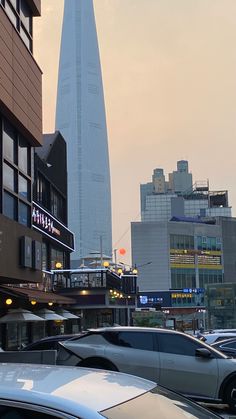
[[167, 403]]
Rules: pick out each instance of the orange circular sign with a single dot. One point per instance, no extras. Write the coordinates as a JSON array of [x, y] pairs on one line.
[[122, 251]]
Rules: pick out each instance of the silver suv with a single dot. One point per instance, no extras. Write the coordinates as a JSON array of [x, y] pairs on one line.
[[173, 359]]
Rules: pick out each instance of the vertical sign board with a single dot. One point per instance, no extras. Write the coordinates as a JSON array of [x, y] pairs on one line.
[[26, 252], [37, 255]]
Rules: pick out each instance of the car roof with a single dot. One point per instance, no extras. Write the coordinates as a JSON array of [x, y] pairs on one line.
[[70, 389], [131, 329]]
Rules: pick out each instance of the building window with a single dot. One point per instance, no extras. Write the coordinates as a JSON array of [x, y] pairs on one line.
[[24, 156], [209, 243], [23, 188], [16, 159], [43, 191], [20, 15], [57, 205], [24, 213], [210, 276], [183, 278], [181, 242], [9, 206], [9, 142], [8, 177]]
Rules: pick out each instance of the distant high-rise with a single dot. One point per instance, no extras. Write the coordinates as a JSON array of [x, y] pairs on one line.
[[80, 117]]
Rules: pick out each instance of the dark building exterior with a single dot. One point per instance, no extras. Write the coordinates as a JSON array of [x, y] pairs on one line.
[[20, 131], [49, 214]]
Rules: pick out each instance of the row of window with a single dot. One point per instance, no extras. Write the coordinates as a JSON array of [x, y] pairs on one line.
[[16, 175], [164, 342], [208, 243], [208, 276], [186, 278], [183, 278], [20, 15], [50, 199], [178, 241]]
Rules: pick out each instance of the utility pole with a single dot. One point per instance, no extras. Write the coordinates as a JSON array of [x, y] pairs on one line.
[[101, 251]]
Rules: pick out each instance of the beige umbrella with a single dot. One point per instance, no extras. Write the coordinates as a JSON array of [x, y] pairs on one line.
[[49, 314], [19, 315], [67, 314]]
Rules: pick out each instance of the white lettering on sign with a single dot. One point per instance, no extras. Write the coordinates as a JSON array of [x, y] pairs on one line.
[[44, 221]]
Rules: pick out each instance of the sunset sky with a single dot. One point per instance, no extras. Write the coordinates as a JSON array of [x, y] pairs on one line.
[[169, 76]]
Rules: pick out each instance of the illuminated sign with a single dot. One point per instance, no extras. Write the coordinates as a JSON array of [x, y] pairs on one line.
[[51, 227]]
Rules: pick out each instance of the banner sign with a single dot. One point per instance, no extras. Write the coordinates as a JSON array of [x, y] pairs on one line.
[[51, 227]]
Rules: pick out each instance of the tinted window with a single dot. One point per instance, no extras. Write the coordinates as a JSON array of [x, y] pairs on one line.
[[229, 345], [7, 412], [43, 346], [177, 344], [137, 340], [9, 206], [23, 156]]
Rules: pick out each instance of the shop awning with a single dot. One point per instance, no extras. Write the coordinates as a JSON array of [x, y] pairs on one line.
[[32, 294]]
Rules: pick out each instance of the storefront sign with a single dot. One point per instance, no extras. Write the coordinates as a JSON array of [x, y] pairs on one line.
[[51, 227]]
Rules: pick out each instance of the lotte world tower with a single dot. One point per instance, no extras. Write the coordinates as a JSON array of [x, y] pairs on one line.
[[80, 117]]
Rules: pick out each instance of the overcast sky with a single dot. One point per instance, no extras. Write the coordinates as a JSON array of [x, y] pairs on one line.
[[169, 75]]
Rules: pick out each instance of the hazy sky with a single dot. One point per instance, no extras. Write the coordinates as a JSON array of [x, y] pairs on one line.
[[169, 76]]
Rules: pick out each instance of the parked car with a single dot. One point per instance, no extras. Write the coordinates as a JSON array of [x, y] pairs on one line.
[[216, 336], [47, 392], [170, 358], [227, 346]]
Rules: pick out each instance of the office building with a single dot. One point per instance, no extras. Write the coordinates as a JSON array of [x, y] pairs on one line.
[[80, 117], [186, 238], [161, 199]]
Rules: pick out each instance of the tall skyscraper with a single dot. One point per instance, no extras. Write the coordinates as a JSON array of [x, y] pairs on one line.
[[80, 117]]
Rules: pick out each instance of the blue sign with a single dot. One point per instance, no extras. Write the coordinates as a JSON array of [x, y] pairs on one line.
[[193, 290]]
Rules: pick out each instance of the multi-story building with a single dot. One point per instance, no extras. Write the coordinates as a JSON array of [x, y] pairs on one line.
[[180, 254], [80, 117], [20, 131], [49, 214], [161, 200], [184, 233]]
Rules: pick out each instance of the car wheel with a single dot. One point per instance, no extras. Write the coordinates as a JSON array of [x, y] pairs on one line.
[[230, 395]]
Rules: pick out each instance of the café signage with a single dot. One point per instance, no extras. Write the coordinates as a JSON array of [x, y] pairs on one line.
[[51, 227]]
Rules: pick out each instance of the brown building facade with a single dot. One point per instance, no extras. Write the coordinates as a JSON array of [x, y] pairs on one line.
[[20, 131]]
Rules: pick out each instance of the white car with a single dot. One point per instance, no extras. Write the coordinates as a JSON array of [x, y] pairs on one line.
[[47, 392], [170, 358], [210, 338]]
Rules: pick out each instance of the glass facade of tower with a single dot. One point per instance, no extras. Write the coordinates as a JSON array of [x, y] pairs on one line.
[[80, 117]]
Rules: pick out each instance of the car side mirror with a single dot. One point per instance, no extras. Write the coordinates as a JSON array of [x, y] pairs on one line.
[[203, 352]]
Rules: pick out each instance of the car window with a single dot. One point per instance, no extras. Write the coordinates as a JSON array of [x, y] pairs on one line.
[[137, 340], [229, 345], [177, 344], [221, 337], [43, 346], [7, 412]]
